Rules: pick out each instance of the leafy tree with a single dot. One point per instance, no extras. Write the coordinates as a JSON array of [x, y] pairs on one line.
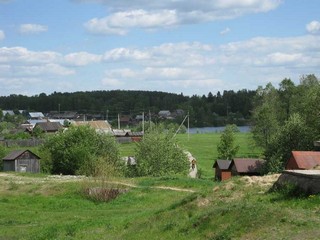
[[286, 119], [294, 135], [265, 117], [226, 147], [80, 150], [37, 132], [158, 154]]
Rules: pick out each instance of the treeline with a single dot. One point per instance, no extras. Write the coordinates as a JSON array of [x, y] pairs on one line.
[[210, 110], [286, 119]]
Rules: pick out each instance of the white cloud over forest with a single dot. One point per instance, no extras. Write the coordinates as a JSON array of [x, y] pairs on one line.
[[176, 66], [125, 15]]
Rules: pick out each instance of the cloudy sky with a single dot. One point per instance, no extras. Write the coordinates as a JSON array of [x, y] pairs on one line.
[[188, 46]]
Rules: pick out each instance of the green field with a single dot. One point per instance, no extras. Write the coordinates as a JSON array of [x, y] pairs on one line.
[[204, 148], [46, 207]]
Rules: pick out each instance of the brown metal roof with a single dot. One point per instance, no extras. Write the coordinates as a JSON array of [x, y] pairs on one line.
[[306, 159], [248, 165], [15, 154], [49, 126], [98, 125], [222, 164]]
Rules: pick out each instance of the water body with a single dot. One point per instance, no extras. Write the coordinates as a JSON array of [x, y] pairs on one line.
[[216, 129]]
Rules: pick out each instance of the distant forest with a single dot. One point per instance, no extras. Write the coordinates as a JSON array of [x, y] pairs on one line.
[[211, 110]]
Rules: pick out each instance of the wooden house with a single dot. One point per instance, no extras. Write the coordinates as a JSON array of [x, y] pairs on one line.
[[246, 166], [49, 127], [303, 160], [21, 161], [125, 136], [222, 169]]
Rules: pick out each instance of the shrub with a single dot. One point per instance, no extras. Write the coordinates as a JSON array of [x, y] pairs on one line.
[[158, 154], [79, 150]]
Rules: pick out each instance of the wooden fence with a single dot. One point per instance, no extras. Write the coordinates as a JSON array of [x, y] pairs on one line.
[[22, 142]]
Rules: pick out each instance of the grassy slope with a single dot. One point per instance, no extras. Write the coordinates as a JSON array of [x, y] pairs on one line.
[[229, 210], [35, 208]]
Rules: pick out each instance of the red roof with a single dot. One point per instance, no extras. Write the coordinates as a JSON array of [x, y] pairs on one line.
[[222, 164], [306, 159], [248, 165]]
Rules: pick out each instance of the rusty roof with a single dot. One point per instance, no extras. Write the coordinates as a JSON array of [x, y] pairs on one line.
[[306, 159], [98, 125], [222, 164], [17, 153], [49, 126], [248, 165]]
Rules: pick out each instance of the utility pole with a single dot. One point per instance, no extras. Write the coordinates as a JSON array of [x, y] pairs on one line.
[[188, 126], [118, 121], [59, 109], [143, 123]]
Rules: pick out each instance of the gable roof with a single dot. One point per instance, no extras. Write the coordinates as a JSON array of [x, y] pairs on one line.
[[222, 164], [9, 112], [102, 126], [36, 115], [306, 159], [17, 153], [49, 126], [248, 165]]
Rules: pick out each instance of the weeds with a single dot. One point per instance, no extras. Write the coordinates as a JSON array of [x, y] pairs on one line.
[[13, 186]]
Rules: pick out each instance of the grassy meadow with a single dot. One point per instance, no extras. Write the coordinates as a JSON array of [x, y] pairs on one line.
[[38, 206], [204, 148]]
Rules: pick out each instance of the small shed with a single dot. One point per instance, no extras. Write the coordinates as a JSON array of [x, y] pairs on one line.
[[247, 166], [222, 169], [303, 160], [22, 161]]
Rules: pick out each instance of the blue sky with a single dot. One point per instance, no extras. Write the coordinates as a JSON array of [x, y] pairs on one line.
[[190, 47]]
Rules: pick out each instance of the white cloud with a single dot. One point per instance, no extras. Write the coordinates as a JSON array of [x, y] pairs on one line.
[[2, 35], [23, 55], [119, 22], [279, 58], [32, 28], [190, 5], [146, 14], [313, 27], [49, 69], [186, 54], [111, 83], [119, 54], [82, 58], [191, 67], [225, 31]]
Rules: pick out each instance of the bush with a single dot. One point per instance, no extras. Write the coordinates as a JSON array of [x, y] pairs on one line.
[[80, 150], [158, 154]]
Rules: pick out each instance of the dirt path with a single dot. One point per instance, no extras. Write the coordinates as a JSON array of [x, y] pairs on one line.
[[70, 178]]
